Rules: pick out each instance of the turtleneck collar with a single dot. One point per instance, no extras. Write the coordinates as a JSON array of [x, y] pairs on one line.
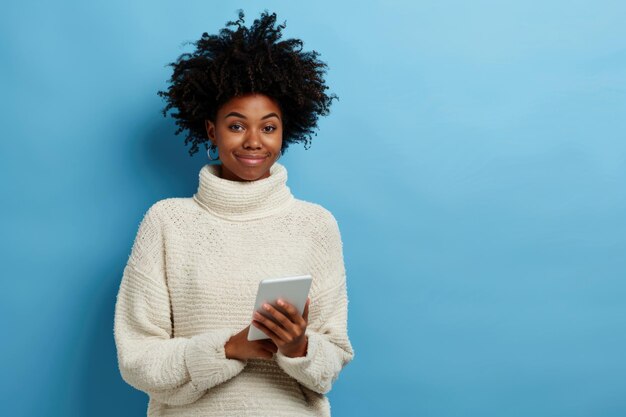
[[243, 200]]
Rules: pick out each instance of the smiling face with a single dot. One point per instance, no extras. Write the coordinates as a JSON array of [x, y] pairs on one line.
[[248, 132]]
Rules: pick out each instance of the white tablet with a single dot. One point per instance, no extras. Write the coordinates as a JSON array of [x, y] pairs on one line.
[[294, 290]]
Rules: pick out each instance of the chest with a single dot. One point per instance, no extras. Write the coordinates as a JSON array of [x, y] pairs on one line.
[[213, 272]]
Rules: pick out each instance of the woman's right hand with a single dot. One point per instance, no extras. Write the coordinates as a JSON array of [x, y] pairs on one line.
[[239, 347]]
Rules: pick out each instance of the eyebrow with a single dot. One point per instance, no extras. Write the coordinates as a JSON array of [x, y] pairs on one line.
[[234, 113]]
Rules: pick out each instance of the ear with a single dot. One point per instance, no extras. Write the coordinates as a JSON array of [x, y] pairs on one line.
[[210, 130]]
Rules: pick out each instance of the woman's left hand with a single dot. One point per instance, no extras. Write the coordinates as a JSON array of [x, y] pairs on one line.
[[287, 329]]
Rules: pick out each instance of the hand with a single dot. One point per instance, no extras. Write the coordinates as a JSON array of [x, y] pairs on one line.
[[286, 328], [239, 347]]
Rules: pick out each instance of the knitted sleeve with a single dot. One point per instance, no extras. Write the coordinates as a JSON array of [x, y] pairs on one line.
[[172, 370], [329, 348]]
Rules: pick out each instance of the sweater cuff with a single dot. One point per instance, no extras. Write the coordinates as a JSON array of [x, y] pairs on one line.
[[301, 367], [206, 361]]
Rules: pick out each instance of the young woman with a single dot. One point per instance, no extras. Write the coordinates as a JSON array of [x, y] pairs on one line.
[[185, 300]]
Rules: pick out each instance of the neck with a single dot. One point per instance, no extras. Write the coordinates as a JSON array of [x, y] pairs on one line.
[[227, 174]]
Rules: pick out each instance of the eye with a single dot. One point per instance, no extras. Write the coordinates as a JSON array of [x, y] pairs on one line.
[[235, 126], [273, 128]]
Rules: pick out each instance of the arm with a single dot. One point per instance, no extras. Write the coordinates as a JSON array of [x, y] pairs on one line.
[[172, 370], [329, 348]]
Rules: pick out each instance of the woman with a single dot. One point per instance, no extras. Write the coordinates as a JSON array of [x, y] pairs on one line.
[[185, 301]]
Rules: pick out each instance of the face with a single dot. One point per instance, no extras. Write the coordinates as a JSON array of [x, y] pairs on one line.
[[248, 132]]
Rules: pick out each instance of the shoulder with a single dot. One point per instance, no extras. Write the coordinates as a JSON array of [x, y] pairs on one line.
[[315, 211], [167, 208], [147, 250], [326, 240], [168, 212], [321, 219]]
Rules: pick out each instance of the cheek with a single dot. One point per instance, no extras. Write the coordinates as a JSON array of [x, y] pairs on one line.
[[278, 138], [228, 138], [276, 146]]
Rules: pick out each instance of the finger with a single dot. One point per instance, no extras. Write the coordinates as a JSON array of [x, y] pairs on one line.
[[268, 332], [268, 327], [295, 317], [305, 313], [276, 328], [284, 324], [272, 324], [288, 322]]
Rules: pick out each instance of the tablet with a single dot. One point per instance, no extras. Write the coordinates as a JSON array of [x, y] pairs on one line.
[[294, 290]]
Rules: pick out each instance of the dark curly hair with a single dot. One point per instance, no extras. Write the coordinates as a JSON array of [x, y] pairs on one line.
[[242, 61]]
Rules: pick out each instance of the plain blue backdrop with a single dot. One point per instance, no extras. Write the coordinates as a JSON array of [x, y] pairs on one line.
[[475, 162]]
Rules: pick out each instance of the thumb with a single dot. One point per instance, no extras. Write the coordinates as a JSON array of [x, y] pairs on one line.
[[305, 313]]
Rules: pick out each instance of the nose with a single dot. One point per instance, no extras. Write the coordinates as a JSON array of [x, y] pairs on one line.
[[252, 140]]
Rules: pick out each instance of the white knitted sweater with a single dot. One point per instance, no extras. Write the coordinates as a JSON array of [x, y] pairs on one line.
[[190, 284]]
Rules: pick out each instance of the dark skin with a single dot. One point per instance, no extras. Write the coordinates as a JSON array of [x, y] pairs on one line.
[[285, 327], [286, 330], [245, 125], [252, 125]]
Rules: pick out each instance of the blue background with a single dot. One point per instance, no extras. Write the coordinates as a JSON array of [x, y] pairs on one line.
[[475, 161]]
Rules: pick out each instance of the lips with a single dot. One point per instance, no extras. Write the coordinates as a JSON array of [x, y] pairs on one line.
[[251, 159]]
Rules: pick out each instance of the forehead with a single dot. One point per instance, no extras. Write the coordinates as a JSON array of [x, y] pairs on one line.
[[251, 104]]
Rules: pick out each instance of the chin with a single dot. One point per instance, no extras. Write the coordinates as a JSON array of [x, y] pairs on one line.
[[250, 173]]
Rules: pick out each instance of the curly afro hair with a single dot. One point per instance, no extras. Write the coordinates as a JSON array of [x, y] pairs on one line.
[[242, 61]]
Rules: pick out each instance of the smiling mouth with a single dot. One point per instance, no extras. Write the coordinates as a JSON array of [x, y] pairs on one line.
[[251, 160]]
